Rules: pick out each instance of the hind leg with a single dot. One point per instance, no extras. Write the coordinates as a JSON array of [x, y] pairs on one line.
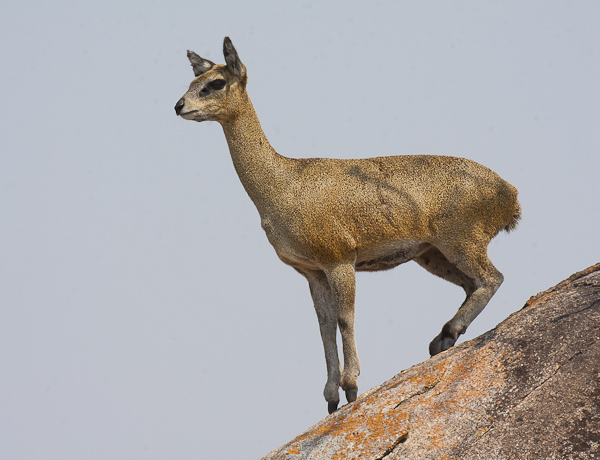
[[436, 263], [473, 271]]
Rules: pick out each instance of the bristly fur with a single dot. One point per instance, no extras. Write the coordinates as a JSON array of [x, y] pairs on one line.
[[514, 223], [329, 218]]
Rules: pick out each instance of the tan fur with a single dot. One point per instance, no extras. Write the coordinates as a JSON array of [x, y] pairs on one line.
[[328, 218]]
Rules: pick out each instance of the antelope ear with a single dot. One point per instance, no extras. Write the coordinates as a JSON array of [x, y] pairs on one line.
[[233, 61], [199, 64]]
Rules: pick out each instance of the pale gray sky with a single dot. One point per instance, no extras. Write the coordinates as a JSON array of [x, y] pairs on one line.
[[143, 313]]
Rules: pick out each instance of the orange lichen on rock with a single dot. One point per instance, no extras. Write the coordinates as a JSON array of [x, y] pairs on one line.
[[381, 420], [517, 391]]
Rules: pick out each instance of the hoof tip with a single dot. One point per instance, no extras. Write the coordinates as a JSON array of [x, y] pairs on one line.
[[351, 395]]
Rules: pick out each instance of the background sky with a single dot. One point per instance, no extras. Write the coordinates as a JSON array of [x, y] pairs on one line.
[[143, 314]]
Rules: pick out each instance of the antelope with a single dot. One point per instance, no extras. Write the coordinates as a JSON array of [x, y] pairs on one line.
[[329, 218]]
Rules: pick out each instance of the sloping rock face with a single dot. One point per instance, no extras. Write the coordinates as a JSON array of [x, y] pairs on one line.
[[528, 389]]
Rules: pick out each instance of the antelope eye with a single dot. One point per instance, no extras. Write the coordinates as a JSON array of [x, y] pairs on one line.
[[217, 84]]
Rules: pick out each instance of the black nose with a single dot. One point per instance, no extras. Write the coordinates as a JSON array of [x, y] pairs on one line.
[[179, 106]]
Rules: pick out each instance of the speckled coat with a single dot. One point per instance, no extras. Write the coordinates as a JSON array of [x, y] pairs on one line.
[[328, 218]]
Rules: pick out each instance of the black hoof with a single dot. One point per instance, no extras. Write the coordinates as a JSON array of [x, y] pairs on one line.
[[434, 347], [351, 395], [440, 344], [332, 407]]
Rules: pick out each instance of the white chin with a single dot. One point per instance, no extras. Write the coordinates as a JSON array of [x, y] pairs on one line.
[[190, 116]]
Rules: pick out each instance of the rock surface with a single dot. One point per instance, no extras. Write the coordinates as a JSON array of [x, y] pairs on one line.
[[527, 389]]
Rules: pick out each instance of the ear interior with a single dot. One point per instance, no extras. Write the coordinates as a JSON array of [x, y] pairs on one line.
[[199, 65]]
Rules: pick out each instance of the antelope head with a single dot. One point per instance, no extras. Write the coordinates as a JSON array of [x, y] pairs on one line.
[[216, 91]]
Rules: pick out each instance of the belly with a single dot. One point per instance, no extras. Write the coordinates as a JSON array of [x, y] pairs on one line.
[[382, 256], [390, 255]]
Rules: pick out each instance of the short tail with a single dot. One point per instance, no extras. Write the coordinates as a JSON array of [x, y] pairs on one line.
[[515, 219]]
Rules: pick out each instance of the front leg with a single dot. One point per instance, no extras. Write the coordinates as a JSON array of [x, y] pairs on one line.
[[342, 281], [327, 316]]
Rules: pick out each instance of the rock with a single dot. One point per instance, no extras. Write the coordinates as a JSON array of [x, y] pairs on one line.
[[527, 389]]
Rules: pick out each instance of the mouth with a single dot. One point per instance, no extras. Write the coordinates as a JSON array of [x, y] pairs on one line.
[[189, 114], [192, 115]]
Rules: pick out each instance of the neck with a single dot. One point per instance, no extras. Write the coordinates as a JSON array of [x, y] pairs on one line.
[[262, 171]]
